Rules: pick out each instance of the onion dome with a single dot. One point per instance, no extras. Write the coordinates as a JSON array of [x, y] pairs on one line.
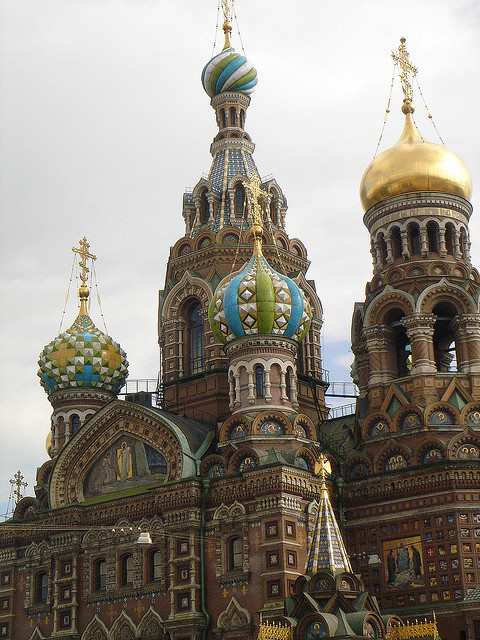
[[413, 165], [82, 357], [259, 300], [229, 70]]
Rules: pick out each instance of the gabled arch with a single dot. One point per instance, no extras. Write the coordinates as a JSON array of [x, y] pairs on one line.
[[123, 628], [445, 291], [468, 436], [189, 286], [234, 617], [388, 300], [151, 626], [37, 635], [390, 448], [95, 630], [357, 322]]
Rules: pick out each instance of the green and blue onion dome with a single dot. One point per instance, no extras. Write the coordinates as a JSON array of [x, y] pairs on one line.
[[259, 301], [229, 70], [82, 357]]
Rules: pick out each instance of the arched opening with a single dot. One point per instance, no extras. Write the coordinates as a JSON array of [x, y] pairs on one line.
[[234, 554], [239, 201], [432, 237], [41, 587], [194, 351], [204, 208], [414, 239], [288, 384], [74, 423], [401, 352], [223, 117], [382, 250], [273, 212], [444, 343], [242, 118], [100, 575], [233, 117], [449, 238], [259, 386], [464, 243], [396, 243], [126, 571]]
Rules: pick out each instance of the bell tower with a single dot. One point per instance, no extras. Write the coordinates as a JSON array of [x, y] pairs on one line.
[[416, 340], [218, 240]]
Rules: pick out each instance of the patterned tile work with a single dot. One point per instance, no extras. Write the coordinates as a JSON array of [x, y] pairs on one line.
[[327, 551], [258, 300], [82, 356]]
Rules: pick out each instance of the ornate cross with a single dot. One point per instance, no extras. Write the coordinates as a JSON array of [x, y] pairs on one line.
[[407, 69], [84, 256], [227, 11], [254, 193], [17, 483]]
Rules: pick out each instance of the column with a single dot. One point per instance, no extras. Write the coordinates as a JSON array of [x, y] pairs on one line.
[[251, 395], [381, 355], [268, 386], [423, 242], [405, 251], [441, 241], [467, 341], [420, 328], [388, 242], [283, 387]]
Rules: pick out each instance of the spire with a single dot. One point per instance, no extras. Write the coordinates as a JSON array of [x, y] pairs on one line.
[[327, 551], [83, 291]]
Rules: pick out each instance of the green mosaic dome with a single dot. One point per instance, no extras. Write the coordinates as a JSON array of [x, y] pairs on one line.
[[85, 357]]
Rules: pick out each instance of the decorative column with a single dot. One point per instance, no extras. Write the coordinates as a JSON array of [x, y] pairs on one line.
[[420, 328], [283, 386], [388, 242], [251, 395], [457, 254], [405, 251], [441, 241], [423, 242], [268, 385], [467, 341], [379, 343]]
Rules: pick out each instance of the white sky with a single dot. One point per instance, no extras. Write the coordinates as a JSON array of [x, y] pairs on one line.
[[104, 123]]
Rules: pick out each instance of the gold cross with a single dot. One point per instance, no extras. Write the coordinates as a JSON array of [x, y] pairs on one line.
[[84, 256], [254, 193], [406, 69], [227, 11]]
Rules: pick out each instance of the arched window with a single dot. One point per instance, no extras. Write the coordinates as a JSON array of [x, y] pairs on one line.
[[239, 201], [233, 117], [74, 423], [432, 237], [464, 243], [449, 239], [41, 587], [242, 118], [259, 391], [414, 239], [223, 117], [204, 208], [126, 571], [288, 384], [155, 567], [382, 250], [444, 344], [100, 575], [235, 556], [273, 211], [196, 340], [396, 243]]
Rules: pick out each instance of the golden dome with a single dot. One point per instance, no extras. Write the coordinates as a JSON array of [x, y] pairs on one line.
[[414, 165]]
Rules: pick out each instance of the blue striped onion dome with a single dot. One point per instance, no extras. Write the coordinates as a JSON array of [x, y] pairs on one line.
[[259, 300], [84, 357], [229, 71]]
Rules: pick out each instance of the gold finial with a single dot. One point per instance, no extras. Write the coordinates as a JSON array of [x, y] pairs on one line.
[[227, 24], [83, 291], [322, 470], [402, 58], [254, 194]]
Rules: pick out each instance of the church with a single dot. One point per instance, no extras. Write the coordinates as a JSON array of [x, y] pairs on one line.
[[230, 504]]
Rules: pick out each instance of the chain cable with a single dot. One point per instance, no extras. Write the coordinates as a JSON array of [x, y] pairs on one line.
[[430, 117], [387, 111]]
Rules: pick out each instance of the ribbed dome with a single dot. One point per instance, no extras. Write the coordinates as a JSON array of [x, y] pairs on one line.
[[229, 71], [259, 300], [82, 356], [413, 165]]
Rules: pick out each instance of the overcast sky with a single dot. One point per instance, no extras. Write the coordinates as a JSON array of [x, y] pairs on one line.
[[104, 123]]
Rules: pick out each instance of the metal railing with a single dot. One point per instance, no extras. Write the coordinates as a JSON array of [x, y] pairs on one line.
[[342, 411], [342, 390]]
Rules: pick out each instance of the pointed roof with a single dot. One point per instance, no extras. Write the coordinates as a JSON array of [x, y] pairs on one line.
[[327, 550]]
